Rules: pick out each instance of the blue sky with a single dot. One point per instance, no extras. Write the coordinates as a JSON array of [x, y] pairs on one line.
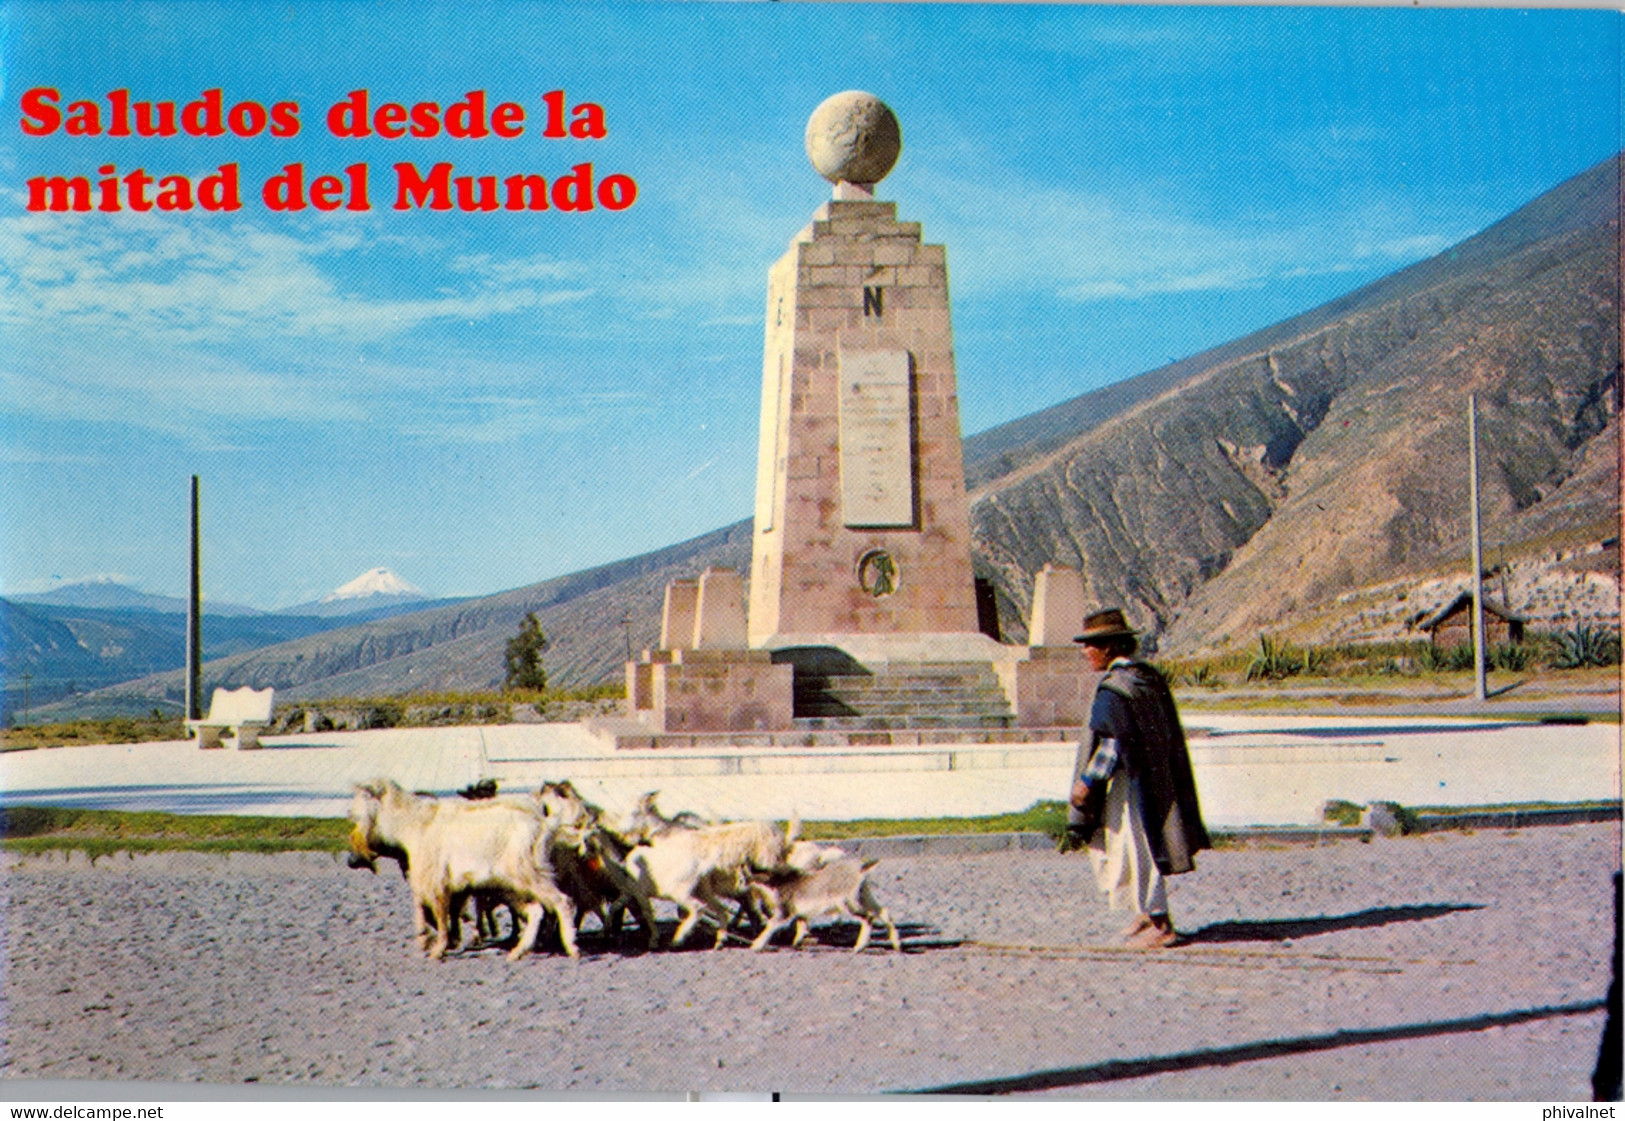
[[480, 401]]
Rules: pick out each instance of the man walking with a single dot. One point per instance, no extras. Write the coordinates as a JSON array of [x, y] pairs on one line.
[[1133, 798]]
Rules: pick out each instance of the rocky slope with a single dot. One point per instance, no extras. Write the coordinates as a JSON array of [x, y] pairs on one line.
[[1292, 472]]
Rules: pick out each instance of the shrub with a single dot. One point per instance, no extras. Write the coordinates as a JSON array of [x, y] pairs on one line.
[[1202, 676], [1449, 659], [1511, 656], [1273, 662], [1586, 645]]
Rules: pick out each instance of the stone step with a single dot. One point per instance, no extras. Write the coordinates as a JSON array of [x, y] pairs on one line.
[[865, 686], [865, 723], [916, 695], [902, 706], [893, 696]]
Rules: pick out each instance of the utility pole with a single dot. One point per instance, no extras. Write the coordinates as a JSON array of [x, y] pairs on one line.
[[1480, 692], [194, 623]]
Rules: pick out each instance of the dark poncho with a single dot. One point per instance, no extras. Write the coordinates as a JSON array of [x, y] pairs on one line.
[[1134, 706]]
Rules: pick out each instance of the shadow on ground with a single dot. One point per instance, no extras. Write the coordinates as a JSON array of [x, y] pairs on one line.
[[1282, 930], [1116, 1070]]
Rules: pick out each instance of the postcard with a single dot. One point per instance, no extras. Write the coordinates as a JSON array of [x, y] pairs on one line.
[[792, 413]]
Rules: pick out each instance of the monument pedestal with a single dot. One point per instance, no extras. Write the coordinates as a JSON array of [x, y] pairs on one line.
[[712, 691]]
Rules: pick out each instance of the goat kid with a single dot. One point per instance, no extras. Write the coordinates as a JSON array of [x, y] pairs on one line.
[[836, 887]]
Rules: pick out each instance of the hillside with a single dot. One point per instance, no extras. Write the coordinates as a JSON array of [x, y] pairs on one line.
[[1307, 479], [1329, 453], [61, 650]]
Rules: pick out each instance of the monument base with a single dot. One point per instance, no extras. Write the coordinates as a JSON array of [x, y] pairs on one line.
[[1054, 687], [710, 691]]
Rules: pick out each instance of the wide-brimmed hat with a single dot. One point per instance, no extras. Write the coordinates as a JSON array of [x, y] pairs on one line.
[[1103, 625]]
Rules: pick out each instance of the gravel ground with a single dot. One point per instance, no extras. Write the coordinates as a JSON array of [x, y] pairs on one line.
[[1452, 966]]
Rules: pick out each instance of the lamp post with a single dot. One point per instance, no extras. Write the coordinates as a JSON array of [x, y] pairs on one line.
[[1480, 692], [194, 624]]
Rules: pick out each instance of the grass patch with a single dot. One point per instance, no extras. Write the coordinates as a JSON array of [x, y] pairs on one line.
[[39, 829], [1040, 817], [42, 828], [36, 829], [116, 729], [1510, 807]]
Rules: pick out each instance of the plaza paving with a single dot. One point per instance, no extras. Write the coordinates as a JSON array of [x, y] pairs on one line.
[[1250, 769]]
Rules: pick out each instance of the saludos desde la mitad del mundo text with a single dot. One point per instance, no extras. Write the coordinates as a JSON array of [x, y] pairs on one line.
[[474, 117]]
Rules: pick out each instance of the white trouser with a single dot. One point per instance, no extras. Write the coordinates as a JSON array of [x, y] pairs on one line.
[[1124, 867]]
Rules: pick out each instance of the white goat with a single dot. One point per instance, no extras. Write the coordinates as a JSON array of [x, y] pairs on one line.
[[697, 868], [454, 849], [804, 856], [838, 886]]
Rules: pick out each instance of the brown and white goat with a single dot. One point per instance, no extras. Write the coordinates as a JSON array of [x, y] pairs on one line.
[[588, 862]]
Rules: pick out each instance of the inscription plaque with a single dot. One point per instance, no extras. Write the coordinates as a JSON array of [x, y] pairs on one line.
[[876, 439]]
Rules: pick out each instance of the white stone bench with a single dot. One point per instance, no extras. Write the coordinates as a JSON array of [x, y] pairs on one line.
[[244, 711]]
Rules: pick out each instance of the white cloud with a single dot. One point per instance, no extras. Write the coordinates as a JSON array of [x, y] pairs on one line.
[[501, 419], [33, 457], [1083, 246], [176, 282], [41, 585]]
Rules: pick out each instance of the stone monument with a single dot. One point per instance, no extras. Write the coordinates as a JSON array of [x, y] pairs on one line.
[[863, 616], [862, 526]]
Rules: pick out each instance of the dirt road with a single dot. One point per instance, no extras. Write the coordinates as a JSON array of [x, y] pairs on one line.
[[1453, 966]]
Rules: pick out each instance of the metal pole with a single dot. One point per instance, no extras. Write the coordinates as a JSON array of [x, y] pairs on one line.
[[194, 622], [1480, 692]]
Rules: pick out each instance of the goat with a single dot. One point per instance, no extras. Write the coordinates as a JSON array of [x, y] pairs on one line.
[[696, 868], [454, 849], [839, 886], [646, 822], [804, 856], [363, 854], [486, 902], [588, 862]]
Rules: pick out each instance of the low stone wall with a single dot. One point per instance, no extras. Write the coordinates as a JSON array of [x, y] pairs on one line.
[[304, 719]]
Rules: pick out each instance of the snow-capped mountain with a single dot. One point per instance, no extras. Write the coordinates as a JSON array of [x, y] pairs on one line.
[[378, 582], [377, 591]]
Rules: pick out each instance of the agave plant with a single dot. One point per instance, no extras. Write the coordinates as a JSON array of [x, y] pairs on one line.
[[1273, 662], [1447, 659], [1587, 645], [1510, 656], [1202, 676]]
